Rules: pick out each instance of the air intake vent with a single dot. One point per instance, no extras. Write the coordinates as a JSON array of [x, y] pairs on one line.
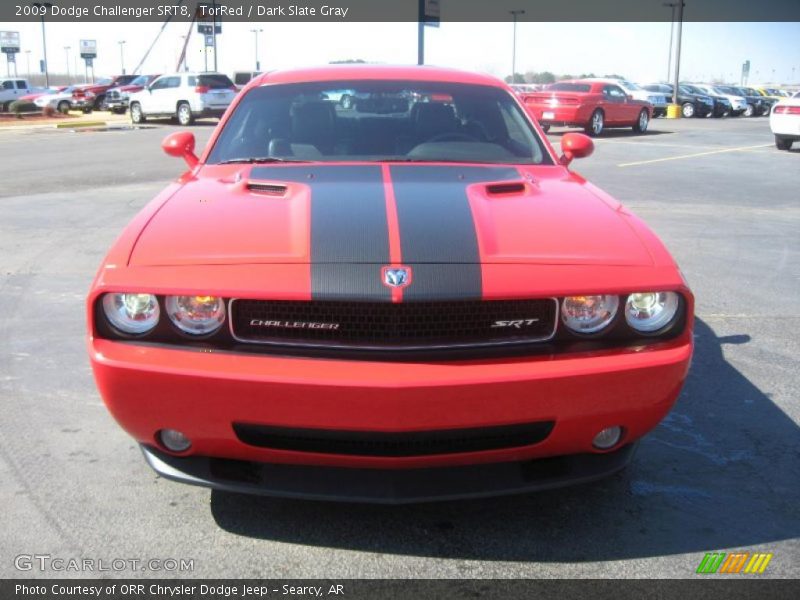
[[506, 188], [268, 189]]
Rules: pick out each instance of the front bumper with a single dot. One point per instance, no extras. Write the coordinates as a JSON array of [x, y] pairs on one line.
[[203, 393], [387, 486]]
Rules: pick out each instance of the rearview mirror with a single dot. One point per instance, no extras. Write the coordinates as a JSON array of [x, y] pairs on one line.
[[575, 145], [181, 145]]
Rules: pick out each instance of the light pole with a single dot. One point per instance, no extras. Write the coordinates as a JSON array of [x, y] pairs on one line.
[[255, 32], [515, 14], [122, 55], [671, 5], [66, 52], [44, 7], [681, 4]]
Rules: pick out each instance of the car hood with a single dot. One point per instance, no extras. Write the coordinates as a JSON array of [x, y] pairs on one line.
[[367, 214]]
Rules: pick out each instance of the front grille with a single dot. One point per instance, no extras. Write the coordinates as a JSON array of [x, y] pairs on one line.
[[390, 326], [112, 95], [393, 444]]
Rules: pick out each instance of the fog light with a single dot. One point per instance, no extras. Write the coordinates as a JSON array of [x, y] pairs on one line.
[[174, 440], [607, 438]]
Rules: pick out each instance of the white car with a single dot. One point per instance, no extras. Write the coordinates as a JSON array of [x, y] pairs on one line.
[[187, 96], [61, 101], [784, 120], [738, 103], [637, 92]]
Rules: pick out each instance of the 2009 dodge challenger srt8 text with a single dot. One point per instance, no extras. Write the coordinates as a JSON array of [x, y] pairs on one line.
[[407, 298]]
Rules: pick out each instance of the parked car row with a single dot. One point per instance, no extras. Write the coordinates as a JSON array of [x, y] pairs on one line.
[[598, 104]]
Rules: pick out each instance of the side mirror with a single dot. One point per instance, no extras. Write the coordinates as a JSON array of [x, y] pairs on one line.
[[181, 145], [575, 145]]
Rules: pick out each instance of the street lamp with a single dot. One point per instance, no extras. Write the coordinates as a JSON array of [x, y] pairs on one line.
[[255, 32], [66, 52], [121, 56], [43, 8], [671, 5], [515, 14]]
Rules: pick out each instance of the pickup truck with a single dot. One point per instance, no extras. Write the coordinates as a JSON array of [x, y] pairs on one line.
[[11, 90]]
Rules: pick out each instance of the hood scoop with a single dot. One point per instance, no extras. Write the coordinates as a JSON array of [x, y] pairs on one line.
[[267, 189], [501, 189]]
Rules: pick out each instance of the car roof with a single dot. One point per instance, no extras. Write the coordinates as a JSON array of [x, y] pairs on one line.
[[376, 72]]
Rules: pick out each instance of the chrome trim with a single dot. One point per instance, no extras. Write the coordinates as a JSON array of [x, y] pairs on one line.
[[324, 346]]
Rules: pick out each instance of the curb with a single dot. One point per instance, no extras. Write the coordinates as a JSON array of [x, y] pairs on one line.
[[80, 124]]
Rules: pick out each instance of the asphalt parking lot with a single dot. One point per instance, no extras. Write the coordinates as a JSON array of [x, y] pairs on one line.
[[722, 472]]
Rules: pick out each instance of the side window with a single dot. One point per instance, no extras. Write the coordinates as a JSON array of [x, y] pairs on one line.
[[21, 85], [8, 85], [614, 93], [173, 82], [159, 84], [192, 81]]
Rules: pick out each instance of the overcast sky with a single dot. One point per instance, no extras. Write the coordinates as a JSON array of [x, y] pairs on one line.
[[637, 50]]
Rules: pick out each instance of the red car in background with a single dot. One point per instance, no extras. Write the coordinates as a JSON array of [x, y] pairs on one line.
[[117, 98], [415, 300], [593, 105], [92, 96]]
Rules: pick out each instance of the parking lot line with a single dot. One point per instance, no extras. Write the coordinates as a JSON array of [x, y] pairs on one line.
[[682, 156]]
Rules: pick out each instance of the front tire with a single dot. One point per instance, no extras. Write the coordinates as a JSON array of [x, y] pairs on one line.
[[137, 116], [63, 107], [782, 143], [749, 111], [596, 123], [687, 110], [185, 116], [642, 122]]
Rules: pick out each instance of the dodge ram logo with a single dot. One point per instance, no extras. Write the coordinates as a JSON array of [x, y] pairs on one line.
[[396, 277]]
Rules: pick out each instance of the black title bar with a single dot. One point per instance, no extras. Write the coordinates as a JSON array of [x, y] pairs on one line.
[[12, 11]]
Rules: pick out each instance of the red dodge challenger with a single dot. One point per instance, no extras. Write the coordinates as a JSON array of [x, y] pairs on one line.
[[409, 299], [594, 105]]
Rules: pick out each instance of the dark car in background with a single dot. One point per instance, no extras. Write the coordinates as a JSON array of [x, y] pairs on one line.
[[756, 104], [692, 104], [766, 102], [722, 106]]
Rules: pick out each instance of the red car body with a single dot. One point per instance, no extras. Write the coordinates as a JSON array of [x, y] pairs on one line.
[[546, 234], [92, 95], [577, 102]]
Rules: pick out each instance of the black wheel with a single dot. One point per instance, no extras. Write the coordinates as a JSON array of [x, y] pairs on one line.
[[137, 116], [766, 110], [347, 101], [687, 110], [99, 102], [782, 143], [642, 122], [596, 123], [63, 107], [87, 110], [749, 111], [185, 116]]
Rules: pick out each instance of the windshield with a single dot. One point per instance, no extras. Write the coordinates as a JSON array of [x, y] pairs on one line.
[[141, 80], [379, 120], [103, 81], [569, 87], [629, 85]]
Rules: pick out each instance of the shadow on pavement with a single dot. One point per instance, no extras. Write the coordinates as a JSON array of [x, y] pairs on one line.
[[721, 471], [625, 132]]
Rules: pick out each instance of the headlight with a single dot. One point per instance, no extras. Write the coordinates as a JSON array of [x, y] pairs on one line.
[[650, 311], [588, 314], [133, 314], [196, 315]]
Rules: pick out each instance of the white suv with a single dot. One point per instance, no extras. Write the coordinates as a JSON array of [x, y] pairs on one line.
[[187, 96]]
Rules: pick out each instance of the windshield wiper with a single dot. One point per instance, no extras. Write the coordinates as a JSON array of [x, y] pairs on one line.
[[261, 159]]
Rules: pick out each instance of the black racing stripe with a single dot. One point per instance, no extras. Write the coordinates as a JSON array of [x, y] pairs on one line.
[[349, 229], [437, 233]]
